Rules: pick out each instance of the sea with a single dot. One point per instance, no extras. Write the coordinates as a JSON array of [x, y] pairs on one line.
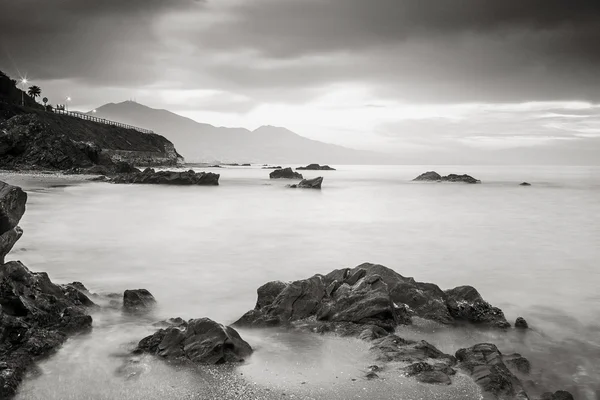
[[533, 251]]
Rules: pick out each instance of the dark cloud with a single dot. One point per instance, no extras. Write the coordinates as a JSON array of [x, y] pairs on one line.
[[293, 50]]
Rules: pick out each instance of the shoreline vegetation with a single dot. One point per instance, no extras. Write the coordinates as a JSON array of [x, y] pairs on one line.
[[366, 302]]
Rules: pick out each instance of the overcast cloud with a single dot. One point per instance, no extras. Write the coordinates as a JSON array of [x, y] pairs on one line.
[[236, 62]]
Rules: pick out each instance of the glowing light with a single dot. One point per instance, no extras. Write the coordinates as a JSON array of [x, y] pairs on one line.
[[68, 99], [24, 81]]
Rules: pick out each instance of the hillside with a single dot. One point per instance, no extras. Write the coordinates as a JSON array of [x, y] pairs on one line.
[[200, 142], [31, 138]]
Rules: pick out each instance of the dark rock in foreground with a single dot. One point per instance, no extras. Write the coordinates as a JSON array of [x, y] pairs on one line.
[[285, 173], [150, 176], [199, 341], [368, 294], [316, 167], [36, 316], [309, 183], [138, 301], [435, 177]]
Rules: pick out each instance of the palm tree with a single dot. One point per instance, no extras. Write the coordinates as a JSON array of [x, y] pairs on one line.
[[34, 91]]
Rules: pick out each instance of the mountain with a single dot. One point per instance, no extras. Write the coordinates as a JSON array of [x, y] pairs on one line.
[[198, 142]]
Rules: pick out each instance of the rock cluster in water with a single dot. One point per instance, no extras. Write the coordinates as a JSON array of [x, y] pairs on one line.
[[285, 173], [316, 167], [435, 177], [150, 176], [314, 183], [369, 301]]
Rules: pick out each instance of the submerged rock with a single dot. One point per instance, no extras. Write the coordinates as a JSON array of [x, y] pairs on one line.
[[200, 341], [524, 184], [150, 176], [285, 173], [36, 315], [309, 183], [316, 167], [138, 301], [434, 176]]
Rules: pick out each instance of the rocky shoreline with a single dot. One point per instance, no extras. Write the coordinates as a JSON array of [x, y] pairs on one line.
[[367, 302]]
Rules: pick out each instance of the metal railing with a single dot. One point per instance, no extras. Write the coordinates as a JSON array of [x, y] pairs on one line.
[[89, 117]]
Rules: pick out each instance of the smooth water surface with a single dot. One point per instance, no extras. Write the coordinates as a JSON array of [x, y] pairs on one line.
[[203, 251]]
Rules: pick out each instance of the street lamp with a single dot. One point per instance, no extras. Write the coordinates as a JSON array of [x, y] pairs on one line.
[[67, 102], [24, 83]]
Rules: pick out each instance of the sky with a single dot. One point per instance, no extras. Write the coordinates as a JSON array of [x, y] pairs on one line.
[[384, 75]]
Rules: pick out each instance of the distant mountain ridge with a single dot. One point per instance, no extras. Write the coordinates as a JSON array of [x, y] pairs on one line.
[[200, 142]]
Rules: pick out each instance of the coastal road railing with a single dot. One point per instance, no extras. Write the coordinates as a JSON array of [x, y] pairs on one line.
[[89, 117]]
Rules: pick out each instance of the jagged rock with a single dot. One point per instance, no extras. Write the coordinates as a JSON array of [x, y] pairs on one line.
[[426, 300], [521, 323], [316, 167], [367, 302], [138, 301], [460, 178], [201, 341], [484, 363], [285, 173], [434, 176], [558, 395], [524, 184], [309, 183], [369, 294], [150, 176], [429, 176], [465, 303]]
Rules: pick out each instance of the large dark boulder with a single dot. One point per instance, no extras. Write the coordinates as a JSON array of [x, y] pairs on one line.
[[138, 301], [150, 176], [285, 173], [368, 294], [465, 303], [362, 301], [200, 341], [484, 363], [426, 300], [433, 176], [314, 183], [316, 167]]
